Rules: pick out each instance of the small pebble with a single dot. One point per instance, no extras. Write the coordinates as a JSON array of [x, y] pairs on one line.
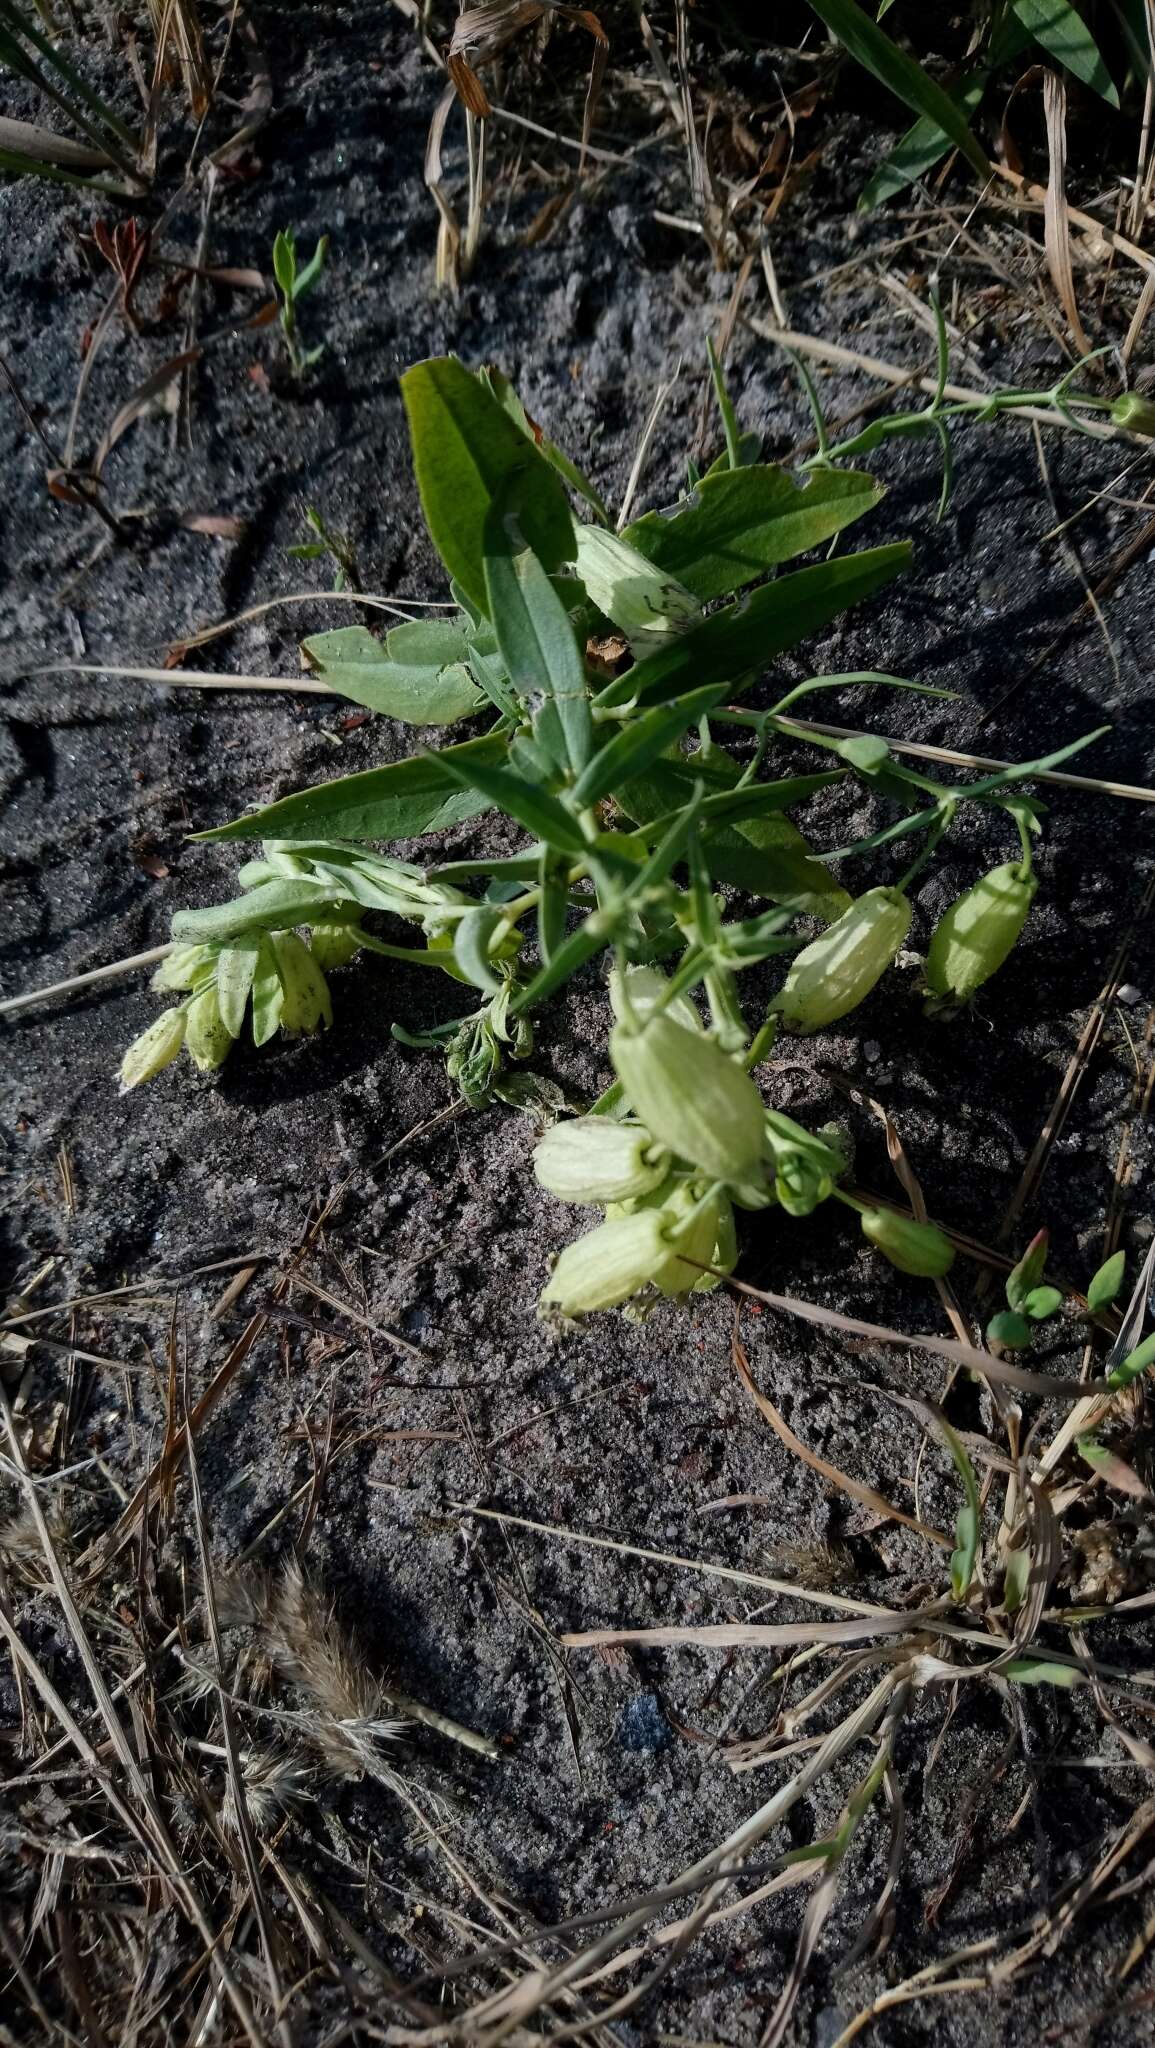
[[1129, 994], [642, 1724], [872, 1051]]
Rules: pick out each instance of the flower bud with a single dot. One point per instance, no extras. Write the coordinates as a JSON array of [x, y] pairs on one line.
[[608, 1265], [185, 967], [692, 1096], [593, 1159], [805, 1167], [917, 1248], [207, 1036], [1135, 413], [334, 945], [696, 1232], [153, 1051], [973, 938], [306, 1001], [832, 975], [640, 990]]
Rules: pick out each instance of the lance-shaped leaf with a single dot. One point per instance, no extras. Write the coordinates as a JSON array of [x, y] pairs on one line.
[[535, 637], [734, 645], [642, 741], [419, 675], [519, 798], [1064, 35], [471, 938], [273, 906], [741, 522], [766, 856], [465, 449], [420, 794], [871, 47]]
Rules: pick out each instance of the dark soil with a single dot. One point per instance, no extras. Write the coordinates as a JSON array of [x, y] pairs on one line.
[[636, 1431]]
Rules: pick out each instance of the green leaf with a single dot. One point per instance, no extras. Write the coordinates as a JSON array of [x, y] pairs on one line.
[[419, 675], [730, 427], [268, 993], [920, 148], [648, 604], [408, 797], [1040, 1671], [1135, 1363], [471, 939], [307, 278], [1042, 1303], [272, 906], [766, 856], [285, 261], [465, 448], [1016, 1579], [641, 741], [532, 806], [736, 644], [536, 639], [1028, 1274], [1009, 1330], [873, 49], [236, 967], [1104, 1286], [1064, 35], [742, 522], [496, 381], [967, 1524]]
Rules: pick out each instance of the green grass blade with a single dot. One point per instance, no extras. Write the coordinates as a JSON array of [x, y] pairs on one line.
[[1061, 31], [873, 49]]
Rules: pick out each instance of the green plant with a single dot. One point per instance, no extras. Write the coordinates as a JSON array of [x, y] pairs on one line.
[[293, 284], [637, 815], [1066, 35], [326, 541], [1002, 35], [1031, 1301]]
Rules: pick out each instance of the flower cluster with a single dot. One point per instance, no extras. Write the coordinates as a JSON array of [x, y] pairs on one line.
[[247, 957], [699, 1142]]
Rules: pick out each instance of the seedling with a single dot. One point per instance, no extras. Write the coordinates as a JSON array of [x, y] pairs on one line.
[[635, 814], [1030, 1301], [293, 284], [328, 542]]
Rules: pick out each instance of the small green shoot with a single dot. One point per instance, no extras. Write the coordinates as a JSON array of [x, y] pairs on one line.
[[293, 284], [327, 541]]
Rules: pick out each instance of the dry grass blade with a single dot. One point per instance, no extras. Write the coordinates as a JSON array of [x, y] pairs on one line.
[[1056, 233], [1036, 1166], [259, 1903], [142, 1816], [151, 387], [868, 1495], [943, 1347]]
